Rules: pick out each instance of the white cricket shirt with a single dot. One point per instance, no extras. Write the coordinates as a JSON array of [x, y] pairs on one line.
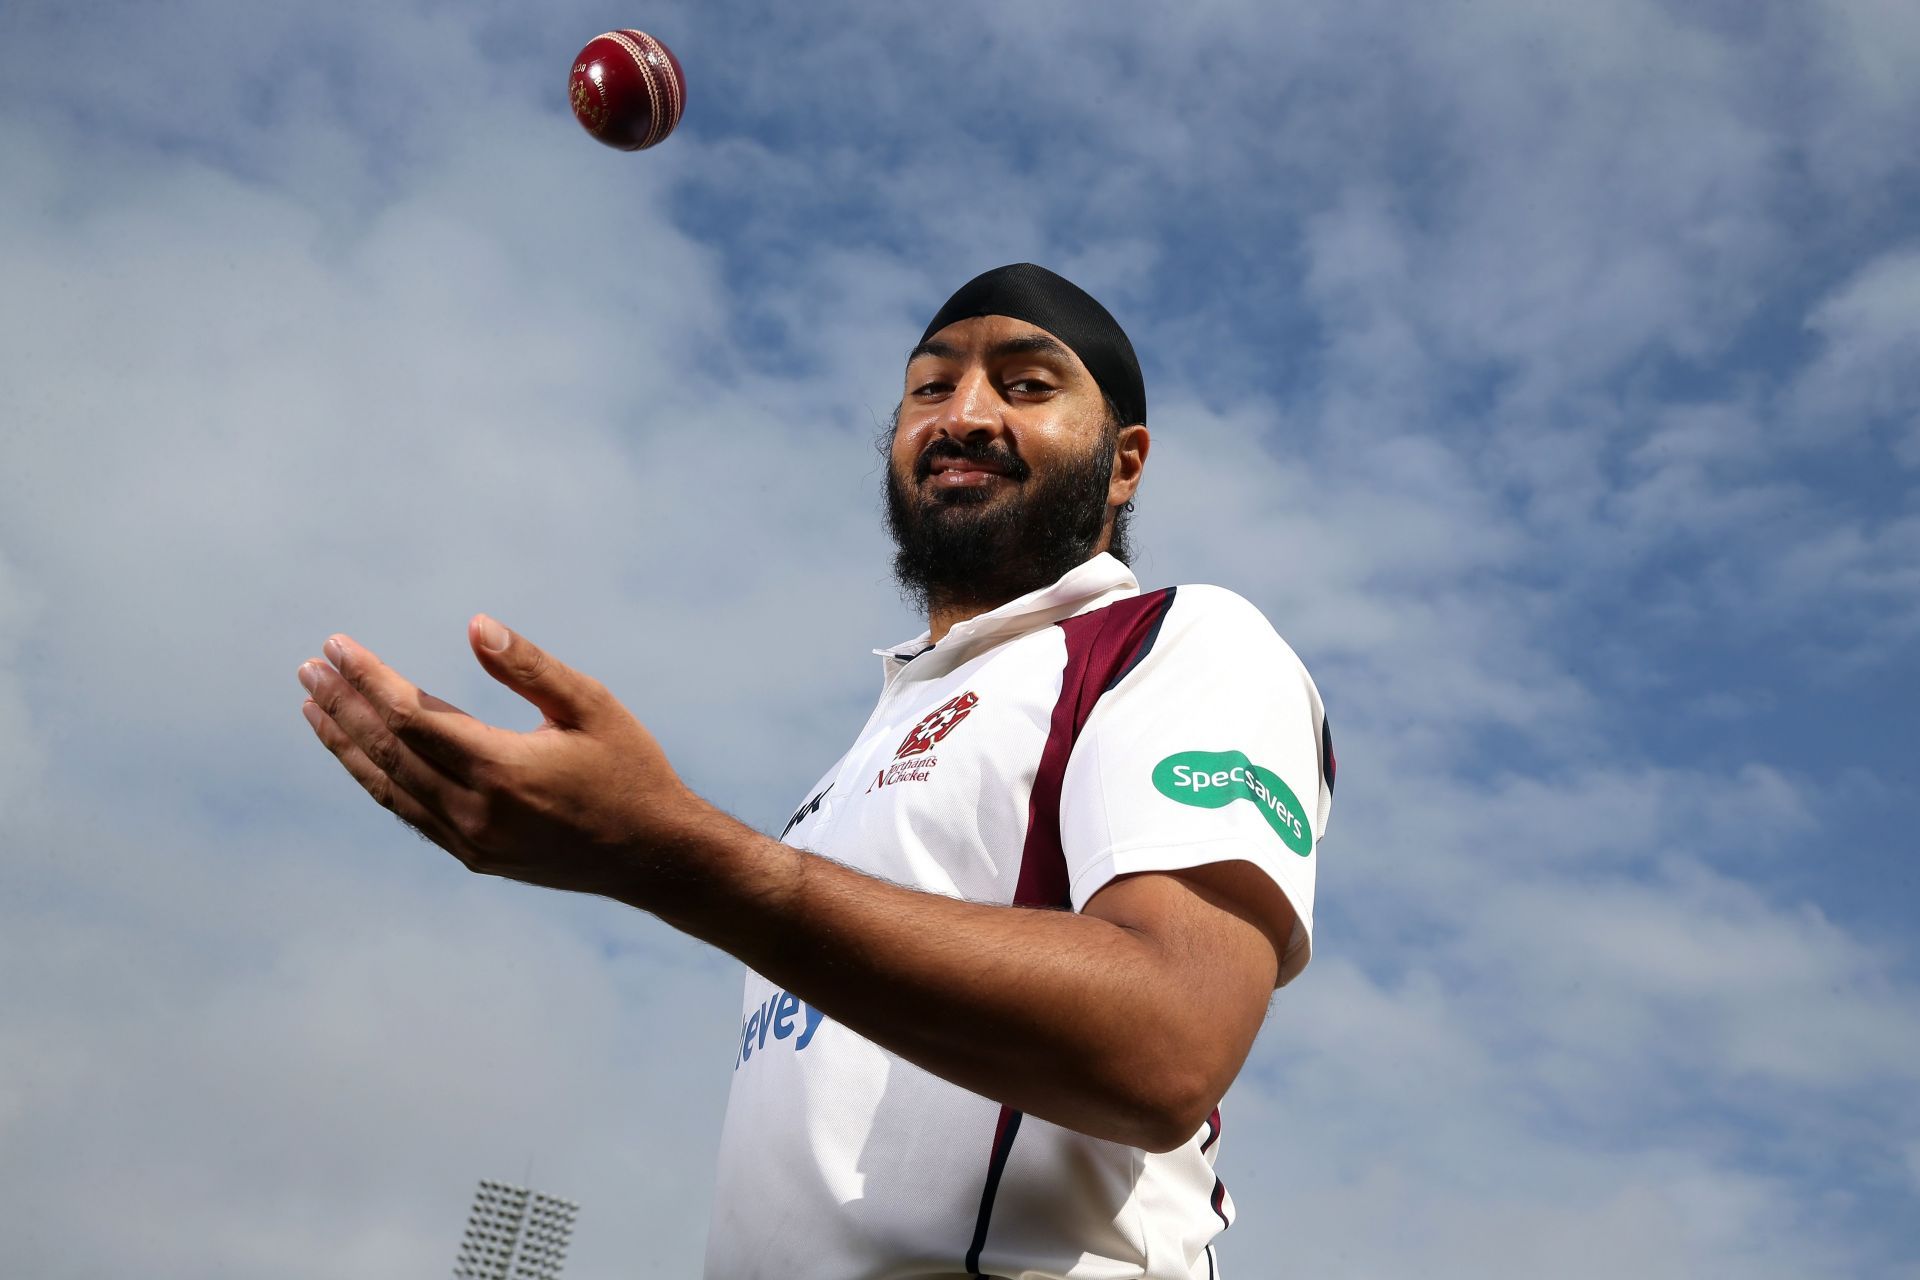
[[1083, 732]]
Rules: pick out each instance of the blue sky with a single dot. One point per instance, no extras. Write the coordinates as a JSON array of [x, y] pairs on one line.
[[1546, 374]]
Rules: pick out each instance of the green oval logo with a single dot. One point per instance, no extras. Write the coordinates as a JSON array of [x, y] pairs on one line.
[[1214, 779]]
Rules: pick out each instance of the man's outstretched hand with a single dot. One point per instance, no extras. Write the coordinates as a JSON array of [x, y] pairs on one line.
[[587, 801], [1126, 1020]]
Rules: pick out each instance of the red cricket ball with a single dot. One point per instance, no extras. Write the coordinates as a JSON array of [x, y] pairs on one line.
[[627, 89]]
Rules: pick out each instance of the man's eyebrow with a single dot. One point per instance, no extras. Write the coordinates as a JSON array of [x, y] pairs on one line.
[[936, 348], [1029, 344], [1038, 344]]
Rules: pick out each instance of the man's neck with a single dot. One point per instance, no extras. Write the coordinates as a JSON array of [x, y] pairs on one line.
[[947, 610], [946, 615]]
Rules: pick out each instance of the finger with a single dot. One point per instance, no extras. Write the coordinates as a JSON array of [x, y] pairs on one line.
[[362, 723], [386, 793], [567, 697], [437, 731]]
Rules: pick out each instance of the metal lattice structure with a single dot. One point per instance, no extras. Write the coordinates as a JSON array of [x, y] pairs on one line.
[[515, 1233]]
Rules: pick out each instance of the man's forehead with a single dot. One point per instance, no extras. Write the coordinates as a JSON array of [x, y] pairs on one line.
[[991, 336]]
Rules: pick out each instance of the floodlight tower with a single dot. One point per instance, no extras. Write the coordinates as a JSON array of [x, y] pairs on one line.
[[514, 1233]]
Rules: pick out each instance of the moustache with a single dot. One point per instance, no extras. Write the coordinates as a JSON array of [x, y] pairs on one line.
[[985, 453]]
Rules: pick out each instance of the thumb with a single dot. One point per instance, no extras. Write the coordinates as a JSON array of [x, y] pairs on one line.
[[565, 696]]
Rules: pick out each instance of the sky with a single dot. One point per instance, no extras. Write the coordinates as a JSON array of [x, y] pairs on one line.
[[1545, 373]]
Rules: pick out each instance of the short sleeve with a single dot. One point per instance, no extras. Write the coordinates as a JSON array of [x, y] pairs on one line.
[[1212, 748]]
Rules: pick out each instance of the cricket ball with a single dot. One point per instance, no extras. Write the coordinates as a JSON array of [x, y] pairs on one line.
[[627, 89]]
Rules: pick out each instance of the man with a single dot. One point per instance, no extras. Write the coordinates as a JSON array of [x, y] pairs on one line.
[[1015, 945]]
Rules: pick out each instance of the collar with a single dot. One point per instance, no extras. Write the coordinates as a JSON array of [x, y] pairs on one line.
[[1088, 585]]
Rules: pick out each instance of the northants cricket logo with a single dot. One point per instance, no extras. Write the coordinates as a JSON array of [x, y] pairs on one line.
[[914, 761], [938, 724], [1215, 779]]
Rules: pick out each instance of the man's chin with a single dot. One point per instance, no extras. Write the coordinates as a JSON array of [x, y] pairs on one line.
[[972, 497], [959, 500]]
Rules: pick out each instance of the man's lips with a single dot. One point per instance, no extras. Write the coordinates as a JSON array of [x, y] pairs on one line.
[[962, 476], [956, 471]]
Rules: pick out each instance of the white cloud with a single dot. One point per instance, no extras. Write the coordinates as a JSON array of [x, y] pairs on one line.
[[21, 759], [284, 1060], [1866, 374]]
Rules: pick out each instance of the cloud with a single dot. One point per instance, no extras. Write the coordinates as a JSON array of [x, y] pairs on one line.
[[1863, 376], [273, 1061]]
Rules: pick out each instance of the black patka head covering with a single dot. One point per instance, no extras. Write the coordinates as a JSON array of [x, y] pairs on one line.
[[1065, 310]]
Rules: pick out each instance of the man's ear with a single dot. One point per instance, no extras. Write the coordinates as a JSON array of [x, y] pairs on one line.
[[1130, 448]]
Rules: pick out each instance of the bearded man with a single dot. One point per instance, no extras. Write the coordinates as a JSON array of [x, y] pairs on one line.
[[1008, 955]]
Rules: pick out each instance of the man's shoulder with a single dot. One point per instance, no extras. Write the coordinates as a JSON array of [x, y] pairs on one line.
[[1215, 625], [1193, 599], [1209, 601], [1191, 622], [1202, 609]]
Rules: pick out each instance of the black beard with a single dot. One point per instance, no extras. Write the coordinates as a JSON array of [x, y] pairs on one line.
[[977, 548]]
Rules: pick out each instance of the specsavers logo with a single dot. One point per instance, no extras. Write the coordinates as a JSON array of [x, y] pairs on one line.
[[1214, 779]]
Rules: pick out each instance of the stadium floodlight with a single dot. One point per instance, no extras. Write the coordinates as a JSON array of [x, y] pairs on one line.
[[502, 1244]]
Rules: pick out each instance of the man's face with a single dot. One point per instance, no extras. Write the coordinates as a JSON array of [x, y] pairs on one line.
[[1001, 473]]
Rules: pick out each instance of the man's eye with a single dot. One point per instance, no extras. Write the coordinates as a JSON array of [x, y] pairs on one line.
[[1030, 386], [932, 388]]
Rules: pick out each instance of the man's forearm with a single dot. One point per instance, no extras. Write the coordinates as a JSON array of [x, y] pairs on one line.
[[1071, 1018], [1125, 1021]]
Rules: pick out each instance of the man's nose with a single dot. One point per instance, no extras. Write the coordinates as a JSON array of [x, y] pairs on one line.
[[973, 410]]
